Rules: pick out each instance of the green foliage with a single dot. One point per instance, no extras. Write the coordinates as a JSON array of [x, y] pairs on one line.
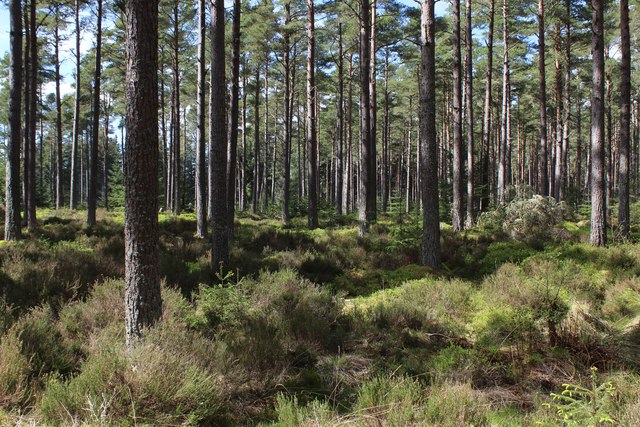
[[391, 400], [14, 370], [581, 406]]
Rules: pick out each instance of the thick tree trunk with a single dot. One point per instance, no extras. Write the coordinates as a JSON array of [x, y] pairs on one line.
[[430, 255], [143, 303], [12, 225], [625, 119], [367, 193], [95, 128], [218, 143], [312, 143], [598, 235], [201, 165]]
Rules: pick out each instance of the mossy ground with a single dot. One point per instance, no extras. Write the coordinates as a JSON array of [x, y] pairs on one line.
[[316, 327]]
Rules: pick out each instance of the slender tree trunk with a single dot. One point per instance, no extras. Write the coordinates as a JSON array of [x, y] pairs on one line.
[[625, 119], [564, 175], [232, 146], [12, 225], [59, 189], [598, 235], [430, 255], [543, 177], [312, 143], [201, 165], [142, 276], [218, 143], [288, 117], [95, 132], [32, 122], [373, 121], [340, 196], [175, 142], [384, 175], [559, 118], [469, 107], [456, 213], [256, 145], [503, 169], [486, 121], [73, 191], [105, 159]]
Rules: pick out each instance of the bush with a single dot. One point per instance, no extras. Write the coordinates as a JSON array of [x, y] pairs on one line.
[[14, 370], [455, 405], [390, 401], [533, 220]]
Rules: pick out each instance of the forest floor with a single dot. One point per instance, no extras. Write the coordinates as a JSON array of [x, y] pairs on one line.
[[324, 327]]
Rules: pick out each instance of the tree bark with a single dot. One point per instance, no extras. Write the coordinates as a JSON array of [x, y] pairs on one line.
[[256, 145], [288, 116], [367, 196], [486, 120], [598, 235], [73, 190], [312, 143], [142, 279], [430, 255], [200, 173], [340, 196], [232, 145], [95, 128], [218, 143], [456, 208], [469, 107], [625, 119], [12, 224], [543, 176], [32, 121], [504, 152], [59, 188]]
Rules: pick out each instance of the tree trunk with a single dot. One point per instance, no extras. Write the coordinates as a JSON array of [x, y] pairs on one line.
[[503, 169], [232, 145], [598, 235], [12, 225], [625, 118], [218, 143], [288, 116], [200, 173], [256, 145], [142, 279], [469, 106], [367, 193], [312, 143], [59, 189], [486, 120], [73, 190], [32, 122], [456, 212], [543, 177], [95, 132], [105, 158], [430, 255], [340, 155], [175, 124]]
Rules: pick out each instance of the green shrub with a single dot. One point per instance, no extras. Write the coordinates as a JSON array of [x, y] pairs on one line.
[[452, 405], [42, 343], [455, 364], [390, 401], [291, 414], [14, 370], [533, 220]]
